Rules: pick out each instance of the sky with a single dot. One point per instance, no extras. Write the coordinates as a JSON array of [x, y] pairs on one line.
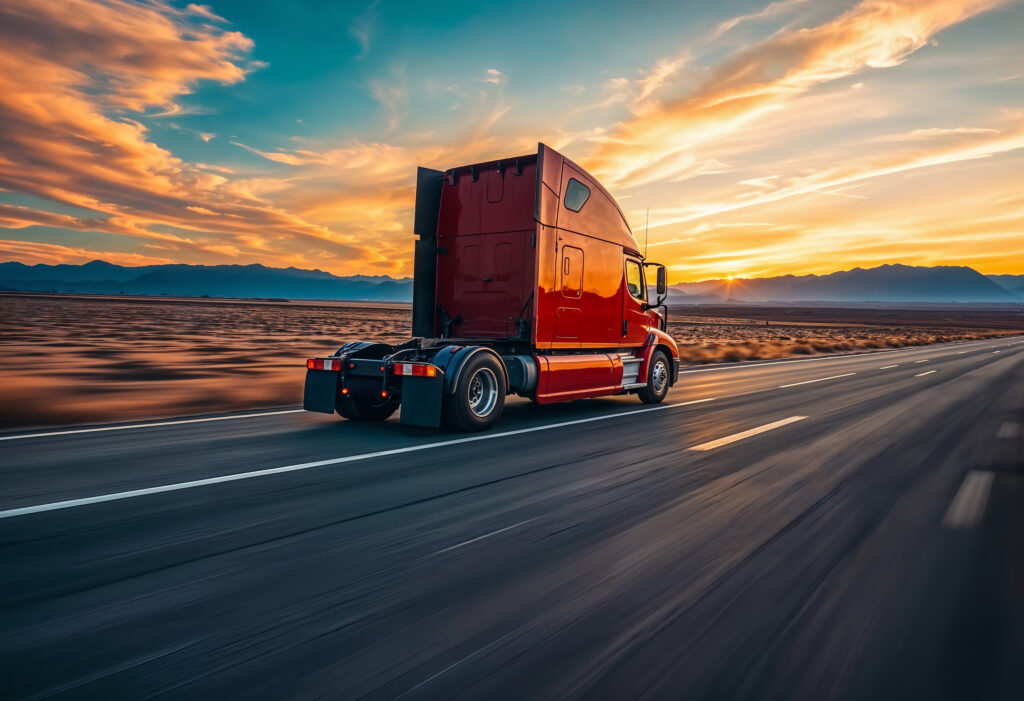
[[763, 138]]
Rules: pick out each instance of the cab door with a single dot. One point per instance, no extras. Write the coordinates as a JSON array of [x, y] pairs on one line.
[[569, 313], [634, 296]]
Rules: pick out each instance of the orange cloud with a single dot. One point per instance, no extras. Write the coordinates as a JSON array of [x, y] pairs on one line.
[[660, 140], [32, 253], [70, 73]]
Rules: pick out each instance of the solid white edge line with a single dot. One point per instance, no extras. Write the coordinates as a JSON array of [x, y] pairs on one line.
[[746, 434], [485, 535], [116, 496], [922, 374], [820, 379], [968, 505], [149, 425]]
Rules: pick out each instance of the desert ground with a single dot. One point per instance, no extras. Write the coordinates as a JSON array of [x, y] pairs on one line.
[[79, 359], [729, 333]]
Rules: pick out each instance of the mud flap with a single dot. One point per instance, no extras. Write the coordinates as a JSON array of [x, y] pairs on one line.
[[421, 400], [321, 391]]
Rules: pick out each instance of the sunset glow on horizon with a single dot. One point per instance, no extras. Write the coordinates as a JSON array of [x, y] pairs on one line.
[[765, 138]]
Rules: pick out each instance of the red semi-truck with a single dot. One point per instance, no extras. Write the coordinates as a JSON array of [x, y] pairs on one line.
[[527, 280]]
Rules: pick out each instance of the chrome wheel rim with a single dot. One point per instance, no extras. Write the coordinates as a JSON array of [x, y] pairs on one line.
[[659, 376], [483, 392]]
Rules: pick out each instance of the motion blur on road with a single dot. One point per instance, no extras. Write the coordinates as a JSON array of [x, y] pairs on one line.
[[830, 527]]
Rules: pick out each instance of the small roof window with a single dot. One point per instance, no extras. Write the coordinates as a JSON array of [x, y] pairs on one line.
[[576, 195]]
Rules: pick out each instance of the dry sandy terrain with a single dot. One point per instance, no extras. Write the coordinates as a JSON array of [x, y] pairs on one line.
[[717, 334], [67, 359]]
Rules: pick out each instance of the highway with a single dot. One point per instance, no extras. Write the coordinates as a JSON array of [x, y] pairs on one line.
[[826, 527]]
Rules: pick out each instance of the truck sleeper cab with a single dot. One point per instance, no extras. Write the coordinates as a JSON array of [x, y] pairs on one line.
[[527, 280]]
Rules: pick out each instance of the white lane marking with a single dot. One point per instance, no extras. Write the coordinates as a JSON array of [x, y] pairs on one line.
[[888, 366], [922, 374], [820, 379], [71, 503], [1010, 429], [485, 535], [921, 361], [149, 425], [961, 352], [997, 351], [746, 434], [969, 503]]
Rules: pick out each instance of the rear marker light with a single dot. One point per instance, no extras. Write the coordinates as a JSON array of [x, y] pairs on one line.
[[344, 390], [384, 394], [416, 369]]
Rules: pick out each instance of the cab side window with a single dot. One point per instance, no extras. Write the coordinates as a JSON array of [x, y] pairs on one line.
[[576, 195], [635, 280]]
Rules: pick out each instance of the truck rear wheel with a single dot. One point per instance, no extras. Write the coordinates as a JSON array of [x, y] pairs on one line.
[[361, 410], [479, 397], [658, 374]]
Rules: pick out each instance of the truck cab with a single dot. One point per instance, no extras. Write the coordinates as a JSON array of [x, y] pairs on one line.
[[528, 278]]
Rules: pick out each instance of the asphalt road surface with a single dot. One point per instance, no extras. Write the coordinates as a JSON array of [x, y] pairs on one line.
[[835, 527]]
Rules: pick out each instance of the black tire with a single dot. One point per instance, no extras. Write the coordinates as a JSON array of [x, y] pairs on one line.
[[659, 378], [362, 410], [479, 398]]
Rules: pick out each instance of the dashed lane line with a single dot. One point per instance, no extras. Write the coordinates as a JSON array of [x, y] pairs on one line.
[[1010, 429], [710, 445], [820, 379], [968, 505]]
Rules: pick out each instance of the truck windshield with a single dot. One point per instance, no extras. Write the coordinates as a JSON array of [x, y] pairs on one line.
[[635, 280]]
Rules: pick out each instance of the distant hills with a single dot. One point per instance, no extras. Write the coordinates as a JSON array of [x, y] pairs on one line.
[[887, 284], [248, 281]]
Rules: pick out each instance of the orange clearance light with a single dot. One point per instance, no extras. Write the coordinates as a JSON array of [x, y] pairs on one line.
[[310, 364], [344, 390], [384, 394], [431, 371]]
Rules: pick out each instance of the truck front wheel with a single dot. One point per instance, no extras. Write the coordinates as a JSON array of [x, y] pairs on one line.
[[658, 374], [479, 396], [361, 410]]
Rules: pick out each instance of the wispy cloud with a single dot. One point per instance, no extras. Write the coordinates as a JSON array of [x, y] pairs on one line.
[[872, 34], [362, 29], [392, 95], [773, 10], [493, 75]]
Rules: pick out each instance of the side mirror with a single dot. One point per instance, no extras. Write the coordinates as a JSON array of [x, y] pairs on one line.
[[662, 281]]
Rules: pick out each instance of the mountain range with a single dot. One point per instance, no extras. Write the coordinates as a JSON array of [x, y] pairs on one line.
[[886, 283], [240, 281]]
